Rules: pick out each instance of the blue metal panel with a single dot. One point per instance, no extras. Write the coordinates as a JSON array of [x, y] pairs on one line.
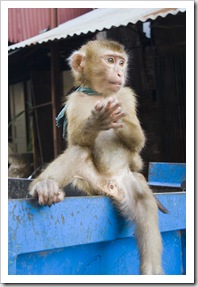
[[117, 257], [176, 205], [105, 258], [183, 239], [86, 235], [172, 253], [166, 174]]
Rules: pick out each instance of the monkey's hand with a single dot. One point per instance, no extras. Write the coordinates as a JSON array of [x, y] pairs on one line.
[[108, 114], [47, 192]]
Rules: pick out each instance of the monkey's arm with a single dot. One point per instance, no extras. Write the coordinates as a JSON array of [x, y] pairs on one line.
[[82, 133], [87, 119], [131, 134], [81, 129]]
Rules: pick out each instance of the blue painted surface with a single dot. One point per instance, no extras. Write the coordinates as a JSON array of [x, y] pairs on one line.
[[166, 174], [86, 235], [183, 234]]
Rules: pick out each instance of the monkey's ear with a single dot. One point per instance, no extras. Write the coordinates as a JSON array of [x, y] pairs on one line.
[[77, 61]]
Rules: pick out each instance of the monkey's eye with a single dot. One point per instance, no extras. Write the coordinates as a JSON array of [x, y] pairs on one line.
[[121, 62], [110, 60]]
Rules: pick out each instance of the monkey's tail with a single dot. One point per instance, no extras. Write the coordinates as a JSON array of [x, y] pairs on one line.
[[161, 207]]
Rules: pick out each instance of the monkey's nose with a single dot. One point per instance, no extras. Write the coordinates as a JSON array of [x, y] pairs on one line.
[[120, 77], [119, 73]]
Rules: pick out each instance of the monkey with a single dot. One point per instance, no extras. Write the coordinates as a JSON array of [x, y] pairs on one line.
[[105, 139]]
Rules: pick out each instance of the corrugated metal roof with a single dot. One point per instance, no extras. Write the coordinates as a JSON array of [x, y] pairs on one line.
[[19, 27], [25, 23], [98, 20]]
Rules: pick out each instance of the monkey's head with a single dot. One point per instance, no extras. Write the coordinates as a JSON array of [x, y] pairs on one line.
[[100, 65]]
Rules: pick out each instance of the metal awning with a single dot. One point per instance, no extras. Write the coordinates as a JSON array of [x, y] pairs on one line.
[[97, 20]]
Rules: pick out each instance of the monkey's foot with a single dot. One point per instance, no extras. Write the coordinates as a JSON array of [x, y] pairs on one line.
[[47, 192], [152, 270]]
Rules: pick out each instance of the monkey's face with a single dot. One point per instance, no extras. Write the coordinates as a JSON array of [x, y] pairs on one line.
[[106, 71], [100, 65], [114, 67]]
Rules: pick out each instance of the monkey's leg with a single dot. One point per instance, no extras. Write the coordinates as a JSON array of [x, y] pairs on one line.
[[139, 205], [147, 232], [132, 195], [74, 166], [148, 236], [48, 186], [92, 182]]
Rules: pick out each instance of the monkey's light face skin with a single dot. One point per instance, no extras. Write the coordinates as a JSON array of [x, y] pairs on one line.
[[113, 68]]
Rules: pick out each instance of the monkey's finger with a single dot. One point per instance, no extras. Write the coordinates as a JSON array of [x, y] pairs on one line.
[[116, 111], [109, 107], [59, 196], [105, 124], [117, 116], [41, 189], [54, 197], [98, 106], [100, 115], [105, 119], [116, 106], [41, 199], [109, 104], [117, 125]]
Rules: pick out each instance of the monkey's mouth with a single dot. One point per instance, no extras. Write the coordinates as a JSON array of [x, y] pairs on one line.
[[116, 83]]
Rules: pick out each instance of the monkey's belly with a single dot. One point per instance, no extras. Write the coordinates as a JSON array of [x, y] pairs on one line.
[[112, 158]]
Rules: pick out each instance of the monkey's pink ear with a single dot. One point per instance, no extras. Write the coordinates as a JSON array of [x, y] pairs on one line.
[[77, 61]]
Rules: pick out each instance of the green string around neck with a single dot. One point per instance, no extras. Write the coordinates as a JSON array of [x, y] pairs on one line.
[[87, 91], [61, 119]]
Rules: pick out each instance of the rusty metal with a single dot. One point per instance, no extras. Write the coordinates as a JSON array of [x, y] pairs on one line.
[[108, 18], [53, 17], [25, 23], [19, 20]]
